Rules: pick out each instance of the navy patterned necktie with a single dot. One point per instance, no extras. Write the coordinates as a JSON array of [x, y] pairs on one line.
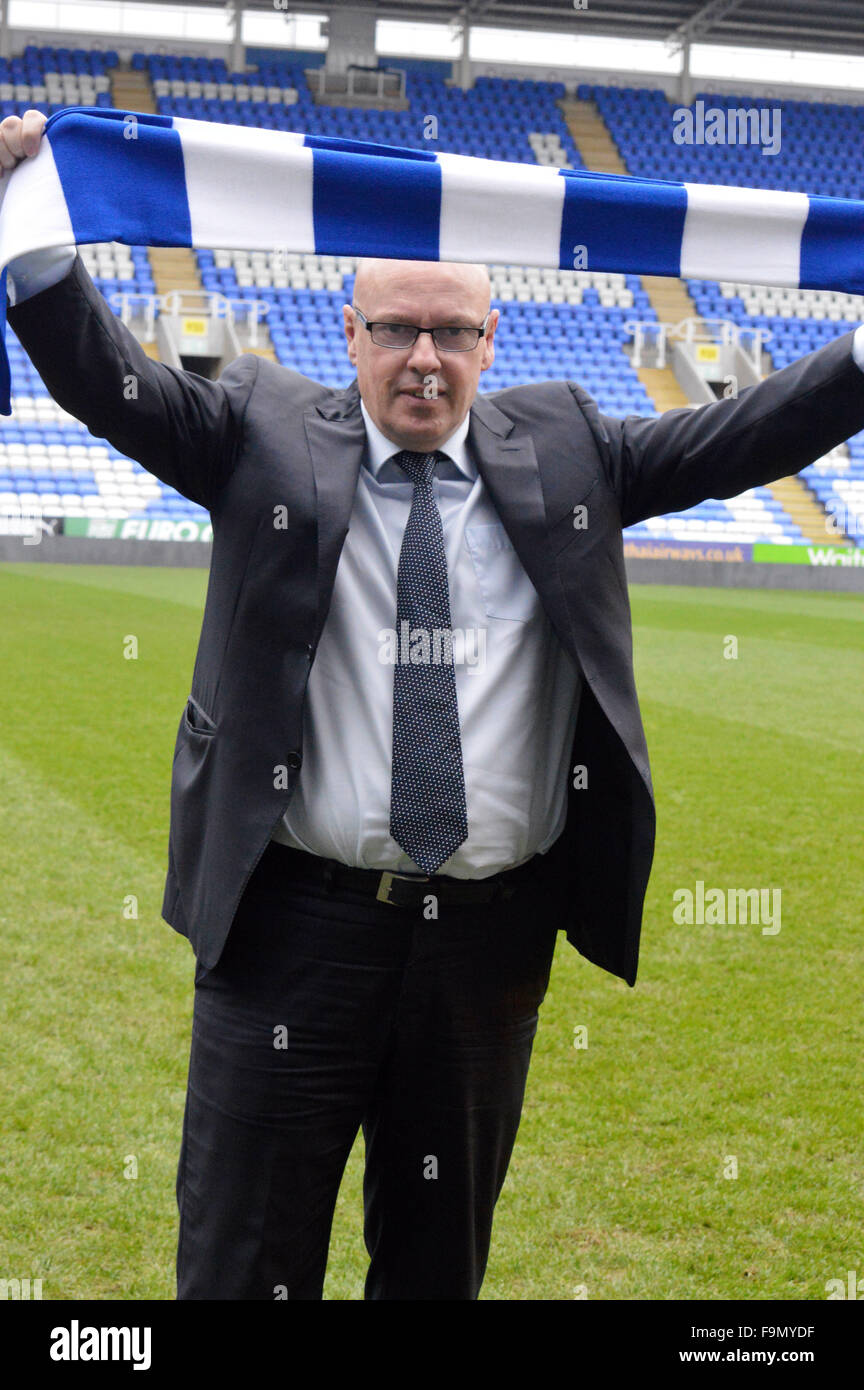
[[428, 812]]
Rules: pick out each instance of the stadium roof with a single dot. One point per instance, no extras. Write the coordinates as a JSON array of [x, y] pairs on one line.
[[826, 26]]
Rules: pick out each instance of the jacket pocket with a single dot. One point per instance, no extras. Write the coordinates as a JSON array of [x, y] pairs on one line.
[[197, 720]]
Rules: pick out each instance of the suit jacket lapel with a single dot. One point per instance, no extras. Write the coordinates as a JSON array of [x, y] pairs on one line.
[[506, 461], [508, 466], [336, 435]]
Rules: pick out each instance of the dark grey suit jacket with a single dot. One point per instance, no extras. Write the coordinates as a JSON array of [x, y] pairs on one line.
[[264, 438]]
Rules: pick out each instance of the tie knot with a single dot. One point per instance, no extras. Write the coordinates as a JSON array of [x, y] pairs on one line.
[[419, 467]]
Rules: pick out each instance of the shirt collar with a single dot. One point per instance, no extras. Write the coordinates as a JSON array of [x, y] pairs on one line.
[[381, 448]]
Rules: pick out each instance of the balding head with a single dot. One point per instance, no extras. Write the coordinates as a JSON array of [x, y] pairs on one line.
[[419, 395], [373, 273]]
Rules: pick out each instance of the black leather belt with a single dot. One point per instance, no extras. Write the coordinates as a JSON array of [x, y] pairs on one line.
[[401, 890]]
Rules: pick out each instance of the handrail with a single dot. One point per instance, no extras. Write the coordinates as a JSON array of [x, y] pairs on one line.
[[175, 303], [696, 330], [125, 301]]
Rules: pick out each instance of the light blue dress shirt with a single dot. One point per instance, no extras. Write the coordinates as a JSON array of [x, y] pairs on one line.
[[516, 688]]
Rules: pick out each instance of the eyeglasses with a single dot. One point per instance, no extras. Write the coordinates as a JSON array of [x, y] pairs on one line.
[[449, 338]]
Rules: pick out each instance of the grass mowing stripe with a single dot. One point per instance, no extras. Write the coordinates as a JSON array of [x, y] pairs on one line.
[[733, 1044], [770, 685], [156, 582], [96, 1014], [777, 604], [97, 726]]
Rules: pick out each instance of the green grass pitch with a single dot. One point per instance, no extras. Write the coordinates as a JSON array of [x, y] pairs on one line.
[[737, 1050]]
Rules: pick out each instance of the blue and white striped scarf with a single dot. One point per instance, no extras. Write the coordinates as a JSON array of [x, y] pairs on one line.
[[103, 175]]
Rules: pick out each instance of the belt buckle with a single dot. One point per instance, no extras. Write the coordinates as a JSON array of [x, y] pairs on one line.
[[386, 881]]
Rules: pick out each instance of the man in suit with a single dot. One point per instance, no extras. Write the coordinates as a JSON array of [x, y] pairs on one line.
[[376, 834]]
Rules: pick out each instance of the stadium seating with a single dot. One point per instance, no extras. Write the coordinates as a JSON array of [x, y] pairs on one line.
[[754, 516], [50, 463], [821, 145], [115, 268], [498, 119], [47, 79], [798, 321], [821, 151], [838, 482], [554, 324]]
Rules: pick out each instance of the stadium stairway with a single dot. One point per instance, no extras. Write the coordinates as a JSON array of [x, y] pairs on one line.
[[669, 298], [265, 346], [131, 91], [591, 137], [806, 511], [672, 303], [174, 268], [662, 386], [265, 349]]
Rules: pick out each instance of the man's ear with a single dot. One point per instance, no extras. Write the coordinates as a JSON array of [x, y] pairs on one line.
[[350, 332], [488, 341]]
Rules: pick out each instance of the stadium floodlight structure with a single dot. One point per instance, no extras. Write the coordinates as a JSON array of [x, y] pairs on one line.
[[696, 27], [701, 23], [831, 26]]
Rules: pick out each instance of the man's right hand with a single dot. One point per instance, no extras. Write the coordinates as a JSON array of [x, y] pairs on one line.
[[20, 137]]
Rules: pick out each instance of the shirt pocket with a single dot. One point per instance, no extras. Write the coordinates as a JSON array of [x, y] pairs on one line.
[[505, 588]]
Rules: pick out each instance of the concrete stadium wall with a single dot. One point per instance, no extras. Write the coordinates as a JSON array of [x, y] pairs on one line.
[[81, 550], [74, 550], [722, 575]]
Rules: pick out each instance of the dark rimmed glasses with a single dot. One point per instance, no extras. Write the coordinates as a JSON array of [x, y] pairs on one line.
[[449, 337]]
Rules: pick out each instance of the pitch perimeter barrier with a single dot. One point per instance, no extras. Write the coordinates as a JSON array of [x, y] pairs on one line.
[[187, 543]]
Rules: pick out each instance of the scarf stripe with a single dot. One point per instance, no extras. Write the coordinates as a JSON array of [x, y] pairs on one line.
[[139, 179]]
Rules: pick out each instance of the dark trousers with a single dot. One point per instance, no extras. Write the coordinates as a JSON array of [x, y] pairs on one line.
[[328, 1011]]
